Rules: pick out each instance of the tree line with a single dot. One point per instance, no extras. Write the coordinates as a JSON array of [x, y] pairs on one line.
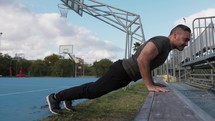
[[51, 66]]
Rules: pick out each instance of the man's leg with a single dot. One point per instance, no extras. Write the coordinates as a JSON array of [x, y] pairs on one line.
[[115, 78]]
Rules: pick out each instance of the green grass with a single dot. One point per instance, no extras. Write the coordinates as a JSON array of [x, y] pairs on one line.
[[121, 105]]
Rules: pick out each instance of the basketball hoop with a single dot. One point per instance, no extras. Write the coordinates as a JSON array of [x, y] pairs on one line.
[[63, 10], [65, 52], [66, 49]]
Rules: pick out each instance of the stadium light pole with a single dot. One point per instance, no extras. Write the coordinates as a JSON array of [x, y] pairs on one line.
[[0, 39], [0, 45]]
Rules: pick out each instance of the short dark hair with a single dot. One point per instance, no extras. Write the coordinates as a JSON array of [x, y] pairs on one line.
[[181, 26]]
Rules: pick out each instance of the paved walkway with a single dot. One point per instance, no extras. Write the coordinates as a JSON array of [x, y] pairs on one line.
[[205, 101]]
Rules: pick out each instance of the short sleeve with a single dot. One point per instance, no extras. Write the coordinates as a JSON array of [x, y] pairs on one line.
[[158, 43]]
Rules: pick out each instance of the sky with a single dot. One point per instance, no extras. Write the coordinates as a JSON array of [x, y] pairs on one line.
[[35, 28]]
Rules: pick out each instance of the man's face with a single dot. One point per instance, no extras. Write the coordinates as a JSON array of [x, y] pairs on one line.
[[182, 39]]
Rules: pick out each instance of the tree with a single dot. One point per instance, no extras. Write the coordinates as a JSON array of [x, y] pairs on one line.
[[5, 64], [102, 66], [89, 70], [51, 60], [136, 46], [39, 68], [26, 64], [63, 68]]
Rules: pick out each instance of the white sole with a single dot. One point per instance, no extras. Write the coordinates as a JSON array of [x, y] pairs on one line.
[[47, 100], [65, 106]]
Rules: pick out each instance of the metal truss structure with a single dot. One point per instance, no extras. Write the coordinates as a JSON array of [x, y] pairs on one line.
[[125, 21]]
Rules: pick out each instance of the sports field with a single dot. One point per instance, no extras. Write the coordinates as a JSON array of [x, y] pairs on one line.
[[23, 99]]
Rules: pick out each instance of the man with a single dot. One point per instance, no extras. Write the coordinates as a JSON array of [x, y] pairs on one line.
[[149, 56]]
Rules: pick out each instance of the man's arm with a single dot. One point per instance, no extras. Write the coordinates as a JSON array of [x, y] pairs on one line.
[[148, 53]]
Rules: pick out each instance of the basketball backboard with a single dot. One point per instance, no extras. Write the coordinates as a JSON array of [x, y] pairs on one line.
[[66, 49], [75, 5]]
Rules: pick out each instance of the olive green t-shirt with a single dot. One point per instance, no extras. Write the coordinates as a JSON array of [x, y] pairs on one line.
[[130, 65]]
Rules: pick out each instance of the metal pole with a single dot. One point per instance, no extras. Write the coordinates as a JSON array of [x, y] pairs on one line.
[[179, 65], [75, 69], [173, 64], [0, 39], [167, 68], [83, 70]]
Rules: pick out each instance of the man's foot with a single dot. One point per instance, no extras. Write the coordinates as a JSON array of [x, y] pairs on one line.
[[53, 104], [68, 105]]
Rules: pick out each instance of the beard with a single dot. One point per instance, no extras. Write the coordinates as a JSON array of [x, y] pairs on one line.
[[180, 48]]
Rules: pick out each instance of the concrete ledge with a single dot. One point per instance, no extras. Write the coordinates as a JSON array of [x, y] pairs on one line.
[[144, 113], [171, 106]]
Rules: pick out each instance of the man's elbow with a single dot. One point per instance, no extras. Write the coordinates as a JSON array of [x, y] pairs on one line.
[[139, 61]]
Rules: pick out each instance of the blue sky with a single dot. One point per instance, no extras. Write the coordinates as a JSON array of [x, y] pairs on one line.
[[154, 13], [157, 17]]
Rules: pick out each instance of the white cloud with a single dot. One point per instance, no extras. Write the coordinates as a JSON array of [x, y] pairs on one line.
[[189, 19], [39, 35]]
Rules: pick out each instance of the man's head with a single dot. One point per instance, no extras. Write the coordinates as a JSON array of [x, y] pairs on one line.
[[179, 37]]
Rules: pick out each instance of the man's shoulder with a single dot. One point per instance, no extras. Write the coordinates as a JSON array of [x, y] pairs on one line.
[[160, 42], [159, 38]]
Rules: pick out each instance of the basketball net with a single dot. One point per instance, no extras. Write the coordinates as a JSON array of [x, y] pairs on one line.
[[63, 10]]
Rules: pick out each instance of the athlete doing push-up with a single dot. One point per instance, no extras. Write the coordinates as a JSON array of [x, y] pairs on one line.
[[149, 56]]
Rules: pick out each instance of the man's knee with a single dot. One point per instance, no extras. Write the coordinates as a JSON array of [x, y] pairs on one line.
[[95, 93]]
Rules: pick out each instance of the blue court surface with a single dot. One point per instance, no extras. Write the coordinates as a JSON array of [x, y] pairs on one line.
[[23, 99]]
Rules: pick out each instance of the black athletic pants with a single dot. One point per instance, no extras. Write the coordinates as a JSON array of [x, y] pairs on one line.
[[114, 78]]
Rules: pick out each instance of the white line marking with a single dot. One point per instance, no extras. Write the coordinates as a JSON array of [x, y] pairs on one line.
[[31, 91]]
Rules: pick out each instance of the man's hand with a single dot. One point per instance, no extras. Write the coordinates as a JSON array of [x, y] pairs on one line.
[[157, 88]]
